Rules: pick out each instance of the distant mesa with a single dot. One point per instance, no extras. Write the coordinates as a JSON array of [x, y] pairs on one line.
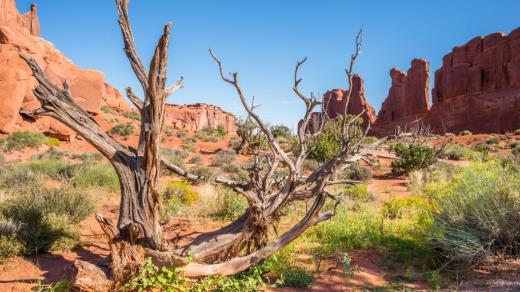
[[21, 34]]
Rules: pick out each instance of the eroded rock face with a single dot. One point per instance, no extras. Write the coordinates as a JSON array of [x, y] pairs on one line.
[[477, 89], [335, 102], [195, 117], [19, 34], [478, 86]]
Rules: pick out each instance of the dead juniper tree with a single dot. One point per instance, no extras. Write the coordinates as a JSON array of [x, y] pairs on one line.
[[244, 242]]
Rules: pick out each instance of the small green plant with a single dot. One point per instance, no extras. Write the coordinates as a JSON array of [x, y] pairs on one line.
[[176, 195], [412, 157], [224, 157], [133, 115], [88, 175], [295, 277], [221, 131], [205, 172], [24, 139], [196, 160], [357, 171], [465, 133], [358, 193], [190, 147], [517, 132], [281, 131], [458, 152], [493, 141], [434, 280], [61, 286], [9, 246], [53, 142], [151, 278], [175, 156], [124, 130], [229, 205], [108, 110]]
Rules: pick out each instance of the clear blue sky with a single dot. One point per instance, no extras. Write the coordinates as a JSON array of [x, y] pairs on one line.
[[263, 39]]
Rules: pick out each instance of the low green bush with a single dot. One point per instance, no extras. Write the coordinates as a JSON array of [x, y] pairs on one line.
[[357, 171], [196, 160], [87, 175], [411, 157], [223, 157], [9, 246], [493, 141], [295, 277], [475, 211], [24, 139], [205, 172], [517, 132], [176, 195], [221, 131], [108, 110], [53, 142], [358, 193], [458, 152], [175, 156], [133, 115], [281, 131], [229, 205], [124, 130]]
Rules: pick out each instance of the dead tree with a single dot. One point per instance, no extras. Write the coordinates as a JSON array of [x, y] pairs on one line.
[[244, 242]]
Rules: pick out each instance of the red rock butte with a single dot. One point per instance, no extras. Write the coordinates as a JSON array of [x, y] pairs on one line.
[[476, 89], [20, 34]]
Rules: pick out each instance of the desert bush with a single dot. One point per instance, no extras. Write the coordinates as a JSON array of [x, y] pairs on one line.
[[204, 172], [310, 165], [458, 152], [517, 132], [357, 171], [57, 169], [190, 147], [24, 139], [53, 142], [133, 115], [221, 131], [9, 246], [47, 217], [223, 157], [176, 195], [477, 212], [493, 141], [196, 160], [369, 140], [399, 207], [281, 131], [465, 133], [124, 130], [209, 134], [87, 175], [229, 205], [295, 277], [17, 178], [175, 156], [358, 193], [327, 145], [152, 278], [411, 157], [108, 110]]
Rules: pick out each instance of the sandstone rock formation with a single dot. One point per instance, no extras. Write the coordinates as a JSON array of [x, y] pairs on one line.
[[334, 101], [409, 94], [19, 34], [477, 89], [194, 117], [478, 86]]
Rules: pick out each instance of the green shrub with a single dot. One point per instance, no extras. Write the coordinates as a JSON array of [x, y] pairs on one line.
[[124, 130], [475, 211], [108, 110], [175, 156], [517, 132], [493, 141], [133, 115], [88, 175], [47, 217], [53, 142], [169, 131], [411, 157], [412, 206], [58, 169], [221, 131], [465, 133], [176, 195], [357, 171], [327, 145], [229, 205], [204, 172], [196, 160], [151, 278], [358, 193], [24, 139], [223, 157], [9, 246], [458, 152], [281, 131], [295, 277], [17, 178], [190, 147]]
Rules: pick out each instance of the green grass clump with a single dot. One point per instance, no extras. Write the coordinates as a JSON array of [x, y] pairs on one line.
[[124, 130], [9, 246], [229, 205], [223, 157], [357, 171], [517, 132], [412, 157], [53, 142], [459, 152], [133, 115], [175, 156], [205, 172], [358, 193], [108, 110], [21, 140], [176, 195], [88, 175], [475, 211]]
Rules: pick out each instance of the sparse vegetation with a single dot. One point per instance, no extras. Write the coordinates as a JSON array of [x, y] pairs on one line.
[[223, 158], [133, 115], [20, 140], [176, 195], [124, 130], [459, 152], [465, 133], [229, 205], [108, 110], [517, 132], [412, 157]]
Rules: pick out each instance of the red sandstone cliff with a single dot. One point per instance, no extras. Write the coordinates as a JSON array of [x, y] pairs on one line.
[[20, 34], [335, 101]]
